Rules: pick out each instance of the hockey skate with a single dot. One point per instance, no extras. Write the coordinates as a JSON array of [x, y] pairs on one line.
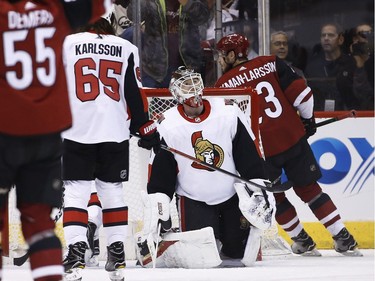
[[304, 245], [74, 261], [115, 264], [92, 259], [345, 244]]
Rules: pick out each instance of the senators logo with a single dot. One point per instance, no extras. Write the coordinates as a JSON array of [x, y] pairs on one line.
[[206, 152]]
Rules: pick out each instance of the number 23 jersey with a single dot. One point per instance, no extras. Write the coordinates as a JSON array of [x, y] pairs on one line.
[[280, 91]]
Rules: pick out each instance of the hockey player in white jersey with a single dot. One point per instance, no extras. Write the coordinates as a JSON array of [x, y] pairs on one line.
[[216, 132], [107, 106]]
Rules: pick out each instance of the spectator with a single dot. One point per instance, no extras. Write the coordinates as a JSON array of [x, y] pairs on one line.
[[229, 21], [34, 110], [120, 20], [363, 52], [208, 34], [249, 30], [279, 47], [287, 120], [330, 73], [248, 20], [102, 71], [171, 38]]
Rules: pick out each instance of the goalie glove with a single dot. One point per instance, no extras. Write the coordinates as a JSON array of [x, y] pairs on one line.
[[257, 206], [150, 137], [310, 126]]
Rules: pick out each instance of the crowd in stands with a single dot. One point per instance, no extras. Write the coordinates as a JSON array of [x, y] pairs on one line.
[[339, 68]]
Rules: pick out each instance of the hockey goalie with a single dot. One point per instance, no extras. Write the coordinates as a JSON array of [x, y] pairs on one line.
[[219, 218]]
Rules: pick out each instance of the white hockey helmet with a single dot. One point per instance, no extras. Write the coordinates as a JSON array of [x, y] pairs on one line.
[[186, 86]]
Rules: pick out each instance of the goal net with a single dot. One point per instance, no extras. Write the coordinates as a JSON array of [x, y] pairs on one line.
[[159, 100]]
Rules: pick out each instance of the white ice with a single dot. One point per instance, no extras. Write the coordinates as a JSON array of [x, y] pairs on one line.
[[331, 266]]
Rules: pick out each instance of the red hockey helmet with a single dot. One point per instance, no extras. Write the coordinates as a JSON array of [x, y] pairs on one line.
[[234, 42]]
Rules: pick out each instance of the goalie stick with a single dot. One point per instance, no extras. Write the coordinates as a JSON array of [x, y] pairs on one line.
[[271, 187], [350, 114]]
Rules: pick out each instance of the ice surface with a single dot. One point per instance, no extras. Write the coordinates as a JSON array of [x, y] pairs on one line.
[[331, 266]]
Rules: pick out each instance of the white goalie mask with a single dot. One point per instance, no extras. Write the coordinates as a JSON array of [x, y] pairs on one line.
[[186, 86]]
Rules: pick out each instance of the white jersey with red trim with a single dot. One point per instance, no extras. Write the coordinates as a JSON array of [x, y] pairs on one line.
[[96, 68], [208, 138]]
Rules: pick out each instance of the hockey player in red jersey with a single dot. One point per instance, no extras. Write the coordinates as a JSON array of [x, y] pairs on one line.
[[102, 71], [34, 109], [286, 122], [214, 131]]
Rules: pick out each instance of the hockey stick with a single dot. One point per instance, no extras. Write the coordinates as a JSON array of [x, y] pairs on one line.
[[351, 113], [271, 187]]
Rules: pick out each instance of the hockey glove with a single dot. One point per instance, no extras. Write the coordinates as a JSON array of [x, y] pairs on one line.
[[310, 126], [257, 206], [150, 137]]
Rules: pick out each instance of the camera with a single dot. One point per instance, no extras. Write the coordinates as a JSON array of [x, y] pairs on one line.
[[360, 48]]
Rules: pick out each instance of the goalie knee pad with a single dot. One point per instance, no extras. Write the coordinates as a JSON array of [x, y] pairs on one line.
[[190, 249], [257, 206], [194, 249]]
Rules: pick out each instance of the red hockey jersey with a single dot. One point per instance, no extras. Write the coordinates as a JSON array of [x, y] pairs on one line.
[[280, 91], [33, 92]]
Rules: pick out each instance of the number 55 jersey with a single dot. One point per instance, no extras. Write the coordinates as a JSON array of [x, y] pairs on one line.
[[33, 94]]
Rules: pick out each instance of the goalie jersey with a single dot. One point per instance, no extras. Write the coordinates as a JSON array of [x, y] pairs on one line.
[[220, 136]]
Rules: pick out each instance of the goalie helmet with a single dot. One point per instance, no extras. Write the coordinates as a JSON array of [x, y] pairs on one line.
[[186, 86], [234, 42]]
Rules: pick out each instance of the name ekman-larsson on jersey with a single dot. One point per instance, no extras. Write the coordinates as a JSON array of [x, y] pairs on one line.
[[98, 48], [250, 74]]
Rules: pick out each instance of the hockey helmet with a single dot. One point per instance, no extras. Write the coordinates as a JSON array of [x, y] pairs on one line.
[[234, 42], [186, 86]]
